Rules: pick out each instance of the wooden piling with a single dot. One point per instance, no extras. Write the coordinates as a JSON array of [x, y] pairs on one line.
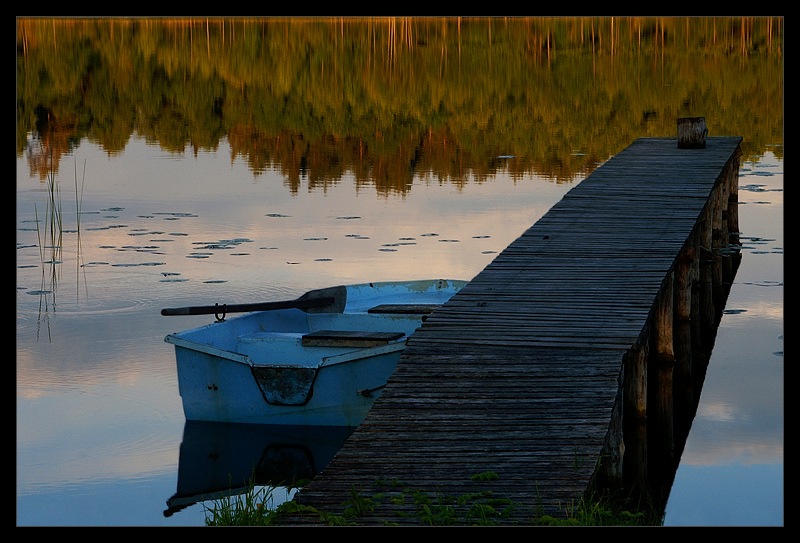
[[662, 365], [692, 132], [684, 301], [635, 379]]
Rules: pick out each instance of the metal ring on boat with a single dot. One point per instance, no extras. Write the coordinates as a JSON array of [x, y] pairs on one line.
[[216, 314]]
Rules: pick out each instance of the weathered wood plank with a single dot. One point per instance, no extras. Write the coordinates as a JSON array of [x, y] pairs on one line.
[[403, 309], [349, 338]]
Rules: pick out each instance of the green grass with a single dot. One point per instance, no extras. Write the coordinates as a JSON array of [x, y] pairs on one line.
[[254, 508], [601, 512]]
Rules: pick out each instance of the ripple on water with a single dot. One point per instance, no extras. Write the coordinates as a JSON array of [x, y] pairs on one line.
[[83, 303]]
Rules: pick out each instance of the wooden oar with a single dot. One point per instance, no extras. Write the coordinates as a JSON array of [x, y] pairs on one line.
[[326, 300]]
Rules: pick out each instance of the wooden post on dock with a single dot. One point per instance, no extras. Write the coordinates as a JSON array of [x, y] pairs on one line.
[[724, 234], [692, 133], [733, 199], [706, 283], [635, 465], [636, 382], [683, 313], [683, 386], [717, 234], [609, 474], [730, 220], [663, 364], [695, 317]]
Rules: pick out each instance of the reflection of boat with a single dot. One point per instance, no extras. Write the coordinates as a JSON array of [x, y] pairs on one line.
[[319, 360], [219, 458]]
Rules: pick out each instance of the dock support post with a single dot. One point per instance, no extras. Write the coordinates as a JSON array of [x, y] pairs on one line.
[[635, 465], [706, 283], [733, 200], [663, 365], [635, 379], [684, 307], [717, 244], [731, 220], [683, 323], [696, 312], [685, 302], [609, 474]]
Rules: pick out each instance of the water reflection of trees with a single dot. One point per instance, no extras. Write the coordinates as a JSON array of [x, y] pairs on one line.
[[384, 100]]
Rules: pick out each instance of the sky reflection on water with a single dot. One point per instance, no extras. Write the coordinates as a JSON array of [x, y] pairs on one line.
[[99, 419], [731, 469], [98, 412]]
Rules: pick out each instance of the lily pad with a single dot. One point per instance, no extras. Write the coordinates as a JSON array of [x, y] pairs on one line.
[[131, 265]]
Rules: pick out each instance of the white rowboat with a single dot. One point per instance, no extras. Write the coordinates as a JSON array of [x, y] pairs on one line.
[[319, 360]]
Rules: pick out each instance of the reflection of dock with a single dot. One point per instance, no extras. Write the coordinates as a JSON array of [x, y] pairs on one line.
[[219, 459], [566, 366]]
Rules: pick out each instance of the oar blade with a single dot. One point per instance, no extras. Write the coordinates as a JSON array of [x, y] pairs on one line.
[[339, 295]]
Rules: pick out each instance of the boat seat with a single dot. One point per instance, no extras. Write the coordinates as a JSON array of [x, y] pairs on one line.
[[349, 338], [406, 309], [255, 337]]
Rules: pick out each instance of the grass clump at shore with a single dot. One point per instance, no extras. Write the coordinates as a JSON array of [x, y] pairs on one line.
[[255, 507]]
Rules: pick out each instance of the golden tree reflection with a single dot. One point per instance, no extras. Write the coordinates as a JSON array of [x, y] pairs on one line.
[[385, 99]]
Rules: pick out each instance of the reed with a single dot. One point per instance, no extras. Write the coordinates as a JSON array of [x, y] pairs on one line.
[[79, 194], [54, 218], [78, 212], [50, 235]]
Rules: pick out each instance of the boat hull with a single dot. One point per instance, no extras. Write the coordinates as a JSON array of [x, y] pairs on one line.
[[264, 368]]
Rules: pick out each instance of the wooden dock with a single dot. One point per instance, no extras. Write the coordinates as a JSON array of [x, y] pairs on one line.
[[533, 381]]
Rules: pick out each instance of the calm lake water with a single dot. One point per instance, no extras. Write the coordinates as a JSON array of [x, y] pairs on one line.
[[232, 161], [99, 418]]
